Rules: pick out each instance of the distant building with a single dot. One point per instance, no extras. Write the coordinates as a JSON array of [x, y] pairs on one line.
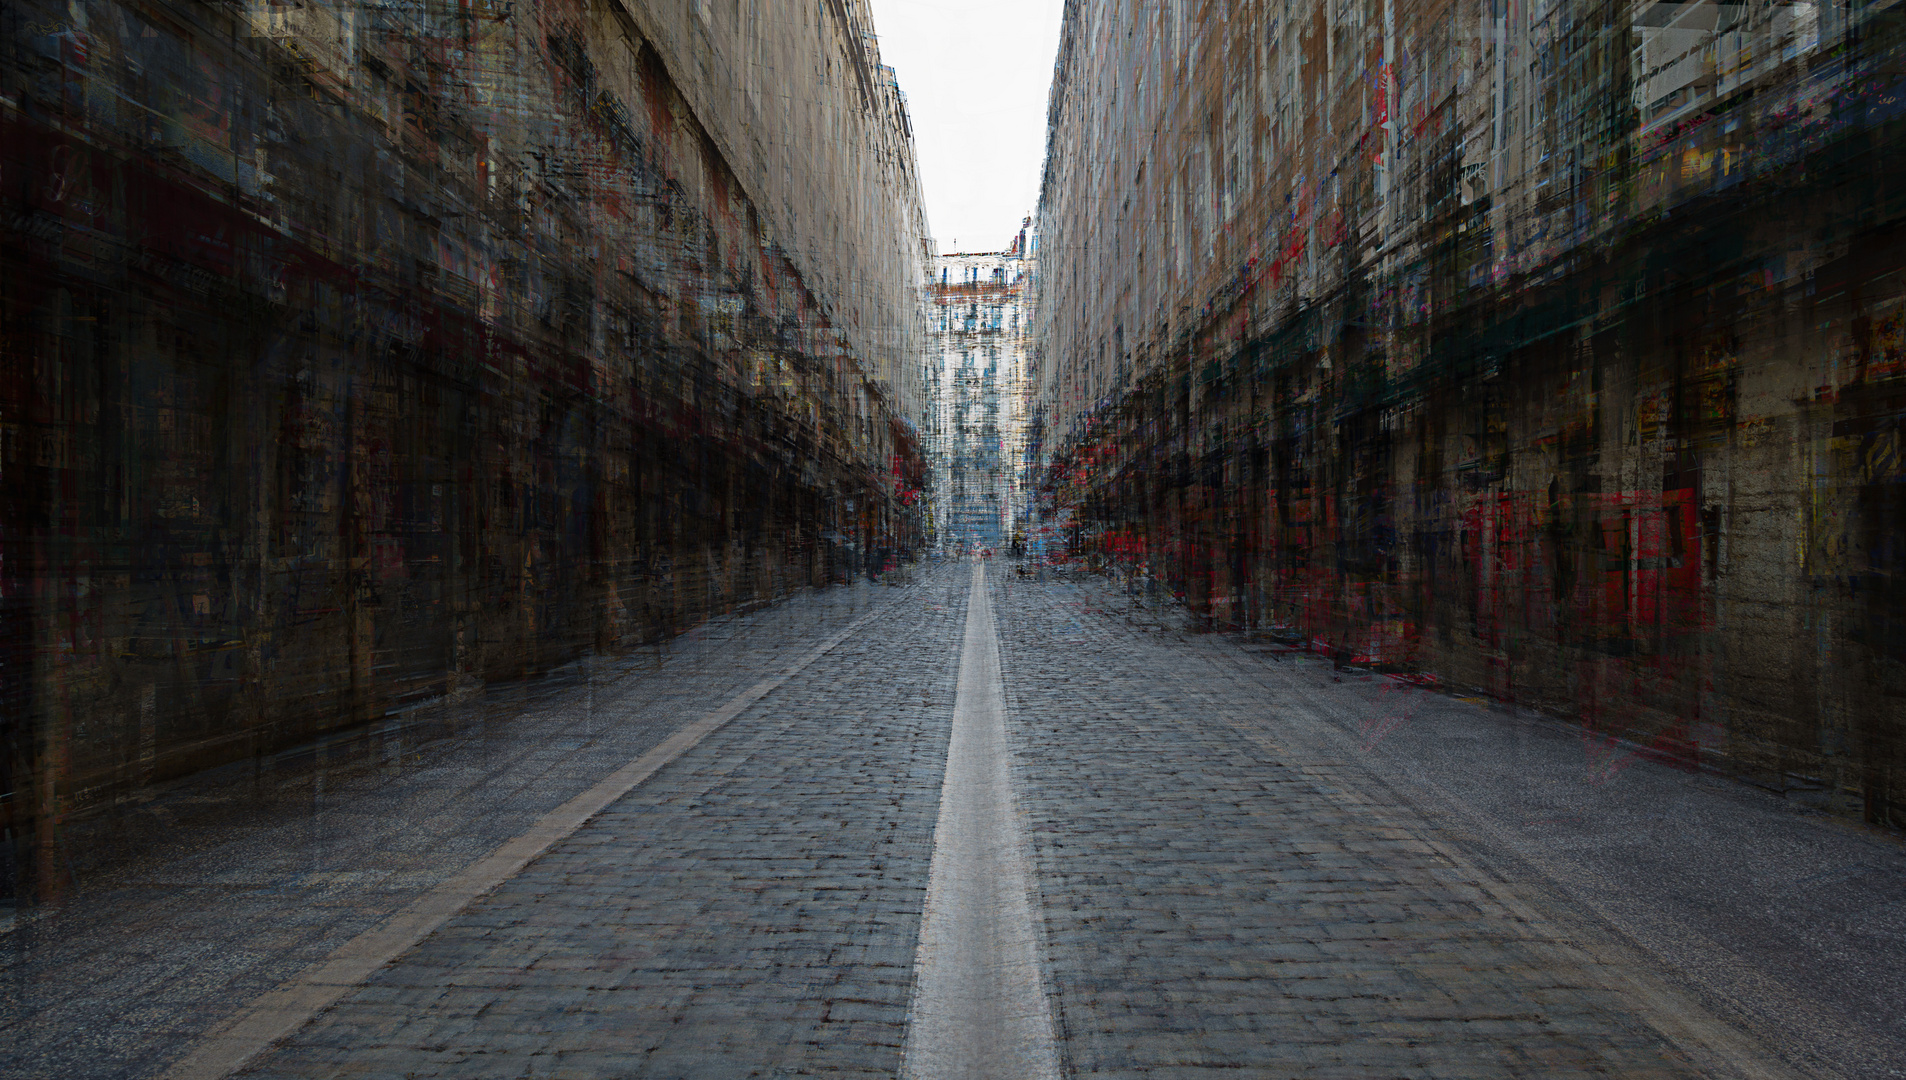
[[976, 384]]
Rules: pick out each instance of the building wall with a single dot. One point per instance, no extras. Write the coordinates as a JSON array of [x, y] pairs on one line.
[[975, 433], [1552, 349], [357, 354]]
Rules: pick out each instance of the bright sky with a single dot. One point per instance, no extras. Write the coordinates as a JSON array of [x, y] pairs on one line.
[[975, 73]]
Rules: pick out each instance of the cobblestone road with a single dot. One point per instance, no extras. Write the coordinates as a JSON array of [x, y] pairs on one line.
[[218, 889], [1215, 901], [1238, 864], [1707, 905], [751, 911]]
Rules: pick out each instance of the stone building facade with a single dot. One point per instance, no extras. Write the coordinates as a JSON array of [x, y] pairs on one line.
[[978, 390], [358, 354], [1553, 348]]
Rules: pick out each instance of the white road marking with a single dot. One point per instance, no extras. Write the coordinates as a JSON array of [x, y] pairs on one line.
[[980, 1008]]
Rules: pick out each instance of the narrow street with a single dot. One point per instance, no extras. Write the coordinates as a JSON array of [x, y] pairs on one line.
[[1154, 854], [1013, 540]]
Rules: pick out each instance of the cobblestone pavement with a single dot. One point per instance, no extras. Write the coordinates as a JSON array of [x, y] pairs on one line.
[[1240, 864], [212, 891], [1246, 862], [750, 911]]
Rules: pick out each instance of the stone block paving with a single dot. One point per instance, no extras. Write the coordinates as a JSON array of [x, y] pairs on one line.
[[1218, 898], [190, 902], [750, 910], [1244, 864], [1787, 922]]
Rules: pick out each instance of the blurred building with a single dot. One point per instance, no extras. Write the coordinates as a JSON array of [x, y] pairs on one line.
[[976, 435], [1553, 349], [360, 353]]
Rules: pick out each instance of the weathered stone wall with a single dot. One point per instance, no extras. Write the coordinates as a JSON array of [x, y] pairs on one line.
[[1433, 336], [355, 354]]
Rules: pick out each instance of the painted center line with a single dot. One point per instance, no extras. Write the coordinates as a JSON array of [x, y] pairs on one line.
[[980, 1008]]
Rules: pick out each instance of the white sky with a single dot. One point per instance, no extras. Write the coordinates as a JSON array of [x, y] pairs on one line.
[[975, 73]]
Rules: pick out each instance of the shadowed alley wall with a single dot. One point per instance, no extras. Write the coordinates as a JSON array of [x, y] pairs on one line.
[[360, 353], [1549, 348]]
